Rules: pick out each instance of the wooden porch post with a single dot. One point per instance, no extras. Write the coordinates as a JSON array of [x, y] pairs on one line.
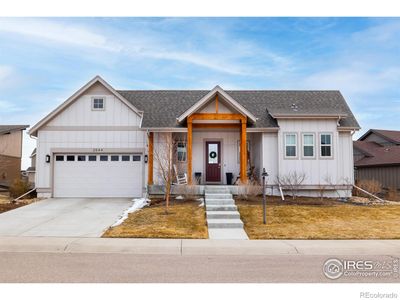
[[151, 158], [189, 149], [243, 152]]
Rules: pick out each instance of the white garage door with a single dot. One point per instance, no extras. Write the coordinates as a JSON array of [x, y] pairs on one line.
[[98, 175]]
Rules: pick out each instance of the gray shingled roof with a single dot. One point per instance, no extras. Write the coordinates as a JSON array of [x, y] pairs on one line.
[[161, 108], [9, 128]]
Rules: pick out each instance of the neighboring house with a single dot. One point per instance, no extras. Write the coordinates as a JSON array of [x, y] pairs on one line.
[[377, 157], [31, 171], [10, 153], [102, 142]]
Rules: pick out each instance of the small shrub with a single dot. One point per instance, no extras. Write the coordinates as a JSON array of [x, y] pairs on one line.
[[393, 194], [291, 181], [250, 189], [18, 188], [372, 186]]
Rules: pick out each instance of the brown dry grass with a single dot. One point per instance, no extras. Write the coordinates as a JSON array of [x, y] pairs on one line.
[[185, 220], [342, 221]]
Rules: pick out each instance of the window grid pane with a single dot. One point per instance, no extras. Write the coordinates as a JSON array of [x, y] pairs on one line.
[[308, 145], [326, 145], [290, 151], [291, 144], [181, 151], [308, 151], [136, 158]]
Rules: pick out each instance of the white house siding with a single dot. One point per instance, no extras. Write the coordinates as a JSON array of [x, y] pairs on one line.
[[79, 127], [345, 162], [270, 156], [319, 171]]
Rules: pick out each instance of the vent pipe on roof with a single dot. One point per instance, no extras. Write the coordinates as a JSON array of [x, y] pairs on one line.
[[294, 107]]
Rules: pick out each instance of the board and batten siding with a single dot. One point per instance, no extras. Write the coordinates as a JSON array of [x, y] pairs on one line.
[[387, 176], [79, 127], [337, 169], [270, 157]]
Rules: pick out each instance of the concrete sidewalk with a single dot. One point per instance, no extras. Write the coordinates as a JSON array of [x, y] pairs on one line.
[[199, 247]]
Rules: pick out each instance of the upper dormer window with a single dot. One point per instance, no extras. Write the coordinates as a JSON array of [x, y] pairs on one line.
[[98, 103]]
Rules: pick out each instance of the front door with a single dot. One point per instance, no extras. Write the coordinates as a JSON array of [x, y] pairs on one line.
[[213, 162]]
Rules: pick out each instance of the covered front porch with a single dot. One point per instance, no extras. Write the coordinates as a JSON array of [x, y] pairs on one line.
[[211, 142]]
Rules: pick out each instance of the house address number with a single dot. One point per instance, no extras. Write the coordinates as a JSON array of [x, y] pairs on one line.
[[98, 149]]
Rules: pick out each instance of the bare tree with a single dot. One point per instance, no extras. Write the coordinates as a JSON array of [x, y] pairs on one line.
[[291, 181], [163, 155]]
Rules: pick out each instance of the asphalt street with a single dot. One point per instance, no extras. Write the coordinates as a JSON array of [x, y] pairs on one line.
[[134, 268]]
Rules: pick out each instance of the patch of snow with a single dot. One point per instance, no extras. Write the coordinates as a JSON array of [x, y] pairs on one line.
[[179, 198], [200, 199], [136, 205], [201, 204]]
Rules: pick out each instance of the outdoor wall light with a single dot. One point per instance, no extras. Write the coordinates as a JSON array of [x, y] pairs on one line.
[[146, 158], [47, 158]]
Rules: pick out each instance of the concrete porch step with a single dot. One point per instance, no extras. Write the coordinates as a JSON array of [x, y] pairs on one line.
[[225, 223], [218, 196], [216, 189], [220, 202], [220, 207], [223, 215]]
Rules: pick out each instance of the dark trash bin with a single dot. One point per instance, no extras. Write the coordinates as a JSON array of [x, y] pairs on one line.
[[229, 177], [197, 176]]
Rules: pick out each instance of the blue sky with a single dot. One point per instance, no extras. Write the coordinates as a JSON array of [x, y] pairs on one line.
[[44, 60]]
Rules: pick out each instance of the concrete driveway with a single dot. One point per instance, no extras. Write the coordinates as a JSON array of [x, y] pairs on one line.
[[62, 217]]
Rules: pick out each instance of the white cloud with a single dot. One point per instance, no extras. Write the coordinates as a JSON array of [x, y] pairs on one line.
[[8, 107], [231, 56], [58, 32], [5, 72]]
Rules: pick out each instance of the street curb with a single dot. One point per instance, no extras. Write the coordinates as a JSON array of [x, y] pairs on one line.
[[199, 247]]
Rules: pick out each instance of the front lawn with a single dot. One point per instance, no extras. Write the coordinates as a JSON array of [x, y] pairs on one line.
[[185, 220], [332, 220]]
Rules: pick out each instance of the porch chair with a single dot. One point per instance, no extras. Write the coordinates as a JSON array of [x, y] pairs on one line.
[[181, 179]]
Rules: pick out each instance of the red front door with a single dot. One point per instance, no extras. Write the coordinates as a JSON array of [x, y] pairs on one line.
[[213, 162]]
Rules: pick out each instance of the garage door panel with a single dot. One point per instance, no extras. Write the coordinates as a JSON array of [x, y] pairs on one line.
[[98, 178]]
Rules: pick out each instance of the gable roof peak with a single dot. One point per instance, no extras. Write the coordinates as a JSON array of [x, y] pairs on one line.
[[209, 96]]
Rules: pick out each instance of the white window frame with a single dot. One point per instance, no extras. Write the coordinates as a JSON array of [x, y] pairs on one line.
[[295, 145], [303, 145], [104, 103], [320, 145], [177, 151]]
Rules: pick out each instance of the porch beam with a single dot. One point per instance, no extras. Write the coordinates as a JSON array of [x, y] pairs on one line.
[[151, 158], [214, 116], [189, 150], [243, 153], [215, 125]]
